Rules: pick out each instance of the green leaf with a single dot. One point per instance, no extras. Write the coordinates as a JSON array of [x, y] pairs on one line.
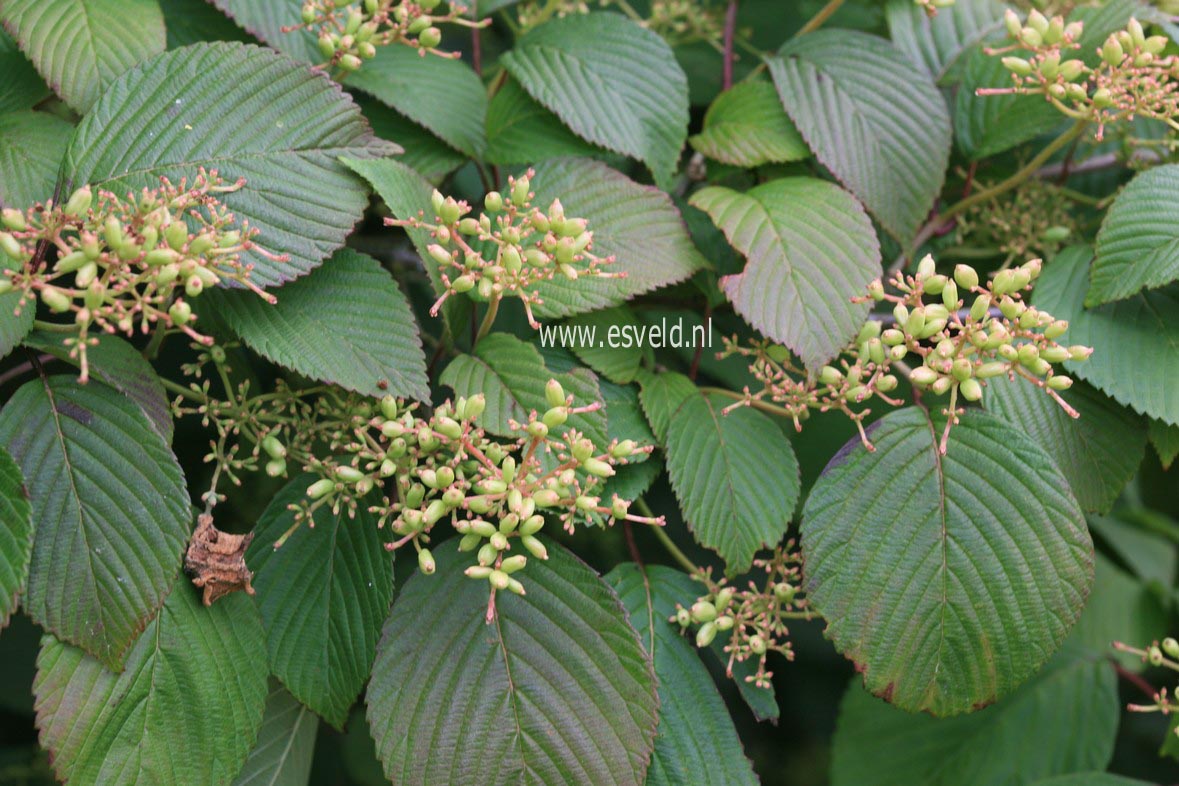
[[14, 327], [115, 362], [247, 112], [616, 363], [1064, 719], [521, 131], [193, 21], [424, 152], [1147, 552], [22, 87], [413, 85], [1165, 439], [186, 710], [735, 477], [990, 124], [80, 46], [583, 67], [16, 535], [264, 19], [32, 145], [1097, 453], [661, 397], [695, 741], [880, 128], [347, 323], [286, 742], [323, 596], [557, 689], [937, 44], [1121, 607], [1135, 341], [512, 375], [110, 511], [746, 126], [638, 225], [949, 580], [405, 193], [1138, 245], [811, 248], [1091, 779]]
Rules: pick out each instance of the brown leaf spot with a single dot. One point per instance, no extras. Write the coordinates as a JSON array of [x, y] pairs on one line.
[[216, 560]]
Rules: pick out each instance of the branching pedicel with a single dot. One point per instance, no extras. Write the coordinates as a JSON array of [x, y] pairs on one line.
[[1166, 655], [508, 255], [756, 616], [1131, 79], [121, 262], [999, 335], [349, 33], [414, 471]]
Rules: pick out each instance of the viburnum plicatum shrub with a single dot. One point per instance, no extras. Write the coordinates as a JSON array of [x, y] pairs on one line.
[[547, 392]]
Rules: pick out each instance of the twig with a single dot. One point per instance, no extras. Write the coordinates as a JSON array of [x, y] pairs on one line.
[[730, 28], [816, 21]]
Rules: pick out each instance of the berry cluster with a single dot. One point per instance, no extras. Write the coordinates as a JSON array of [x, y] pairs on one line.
[[413, 471], [1166, 655], [754, 618], [1032, 220], [114, 264], [959, 348], [1131, 79], [349, 33], [508, 249]]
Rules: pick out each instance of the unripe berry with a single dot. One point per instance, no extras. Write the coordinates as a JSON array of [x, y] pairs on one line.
[[1155, 655], [11, 246], [1102, 98], [532, 524], [554, 394], [349, 62], [970, 389], [13, 219], [1059, 382], [1071, 70], [988, 370], [520, 191], [78, 203], [1111, 51], [430, 37], [1079, 352], [546, 498], [1031, 37], [194, 286], [499, 579], [682, 617], [273, 447], [321, 488], [478, 571], [923, 376], [498, 541], [180, 313], [534, 546], [276, 468], [1017, 65], [876, 290], [5, 285], [1171, 647], [757, 645], [706, 634], [1011, 20]]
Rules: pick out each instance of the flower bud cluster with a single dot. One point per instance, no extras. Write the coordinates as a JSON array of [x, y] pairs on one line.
[[349, 33], [1032, 220], [959, 347], [753, 618], [1164, 654], [115, 265], [415, 471], [509, 248], [863, 371], [1131, 79]]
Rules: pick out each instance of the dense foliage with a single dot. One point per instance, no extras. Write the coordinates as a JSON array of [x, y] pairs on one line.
[[600, 392]]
